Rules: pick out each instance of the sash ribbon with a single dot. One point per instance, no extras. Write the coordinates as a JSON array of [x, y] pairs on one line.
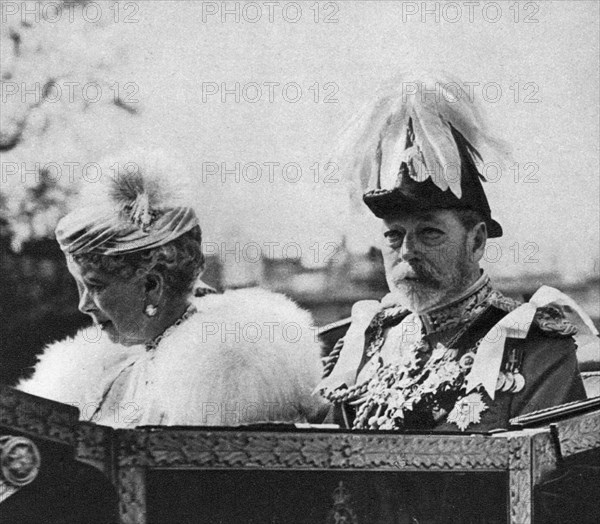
[[516, 324]]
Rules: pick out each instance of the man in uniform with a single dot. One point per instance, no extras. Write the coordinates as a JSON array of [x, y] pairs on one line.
[[444, 350]]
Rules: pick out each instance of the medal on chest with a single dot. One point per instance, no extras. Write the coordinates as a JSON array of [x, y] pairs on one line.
[[510, 379], [467, 411]]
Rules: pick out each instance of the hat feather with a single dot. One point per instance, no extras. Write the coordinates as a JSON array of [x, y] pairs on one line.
[[377, 141], [138, 185]]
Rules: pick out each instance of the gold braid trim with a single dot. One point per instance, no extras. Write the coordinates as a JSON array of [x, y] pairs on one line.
[[330, 360], [503, 303], [344, 394], [550, 319]]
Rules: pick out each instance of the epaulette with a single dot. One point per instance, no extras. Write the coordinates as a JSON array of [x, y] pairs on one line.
[[552, 321]]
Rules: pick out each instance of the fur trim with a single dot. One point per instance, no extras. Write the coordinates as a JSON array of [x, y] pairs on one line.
[[246, 356], [254, 357], [75, 370]]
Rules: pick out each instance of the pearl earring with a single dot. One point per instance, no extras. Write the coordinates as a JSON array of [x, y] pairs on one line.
[[151, 310]]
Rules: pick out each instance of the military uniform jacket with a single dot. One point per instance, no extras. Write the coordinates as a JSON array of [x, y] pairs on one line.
[[536, 372]]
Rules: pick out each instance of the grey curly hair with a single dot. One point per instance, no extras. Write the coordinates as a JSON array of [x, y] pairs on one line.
[[180, 261]]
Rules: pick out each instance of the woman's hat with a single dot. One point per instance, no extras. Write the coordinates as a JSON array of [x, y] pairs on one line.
[[136, 205]]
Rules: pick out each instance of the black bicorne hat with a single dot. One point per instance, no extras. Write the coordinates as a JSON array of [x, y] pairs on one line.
[[415, 190]]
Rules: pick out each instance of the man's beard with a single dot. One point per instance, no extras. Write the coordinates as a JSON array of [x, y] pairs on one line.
[[418, 286]]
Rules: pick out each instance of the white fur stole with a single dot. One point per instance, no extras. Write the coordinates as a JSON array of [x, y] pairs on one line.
[[245, 356]]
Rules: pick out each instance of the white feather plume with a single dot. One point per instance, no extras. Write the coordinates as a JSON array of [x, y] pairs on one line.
[[138, 184], [374, 142]]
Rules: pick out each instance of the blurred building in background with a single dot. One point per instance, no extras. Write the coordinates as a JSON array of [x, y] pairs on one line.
[[39, 297], [330, 291]]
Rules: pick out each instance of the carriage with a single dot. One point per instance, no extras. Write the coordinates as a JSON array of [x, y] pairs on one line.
[[544, 468]]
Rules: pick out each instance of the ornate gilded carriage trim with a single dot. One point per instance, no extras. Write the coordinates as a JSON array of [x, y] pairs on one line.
[[95, 447], [132, 495], [579, 434], [19, 461], [256, 449], [544, 455], [37, 416], [520, 477]]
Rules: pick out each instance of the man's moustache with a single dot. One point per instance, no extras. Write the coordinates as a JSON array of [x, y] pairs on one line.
[[408, 272]]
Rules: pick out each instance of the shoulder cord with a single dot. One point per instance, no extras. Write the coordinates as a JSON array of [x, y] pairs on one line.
[[330, 360]]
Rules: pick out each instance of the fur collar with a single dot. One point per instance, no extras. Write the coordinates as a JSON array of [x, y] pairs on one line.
[[245, 356]]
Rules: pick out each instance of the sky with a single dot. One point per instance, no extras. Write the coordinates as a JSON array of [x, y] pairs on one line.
[[533, 66]]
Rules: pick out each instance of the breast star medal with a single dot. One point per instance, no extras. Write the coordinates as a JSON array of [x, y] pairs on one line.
[[467, 411]]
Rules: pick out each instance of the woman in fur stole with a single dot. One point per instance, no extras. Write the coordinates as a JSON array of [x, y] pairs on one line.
[[162, 351]]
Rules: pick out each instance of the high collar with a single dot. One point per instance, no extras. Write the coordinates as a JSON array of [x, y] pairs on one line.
[[461, 310]]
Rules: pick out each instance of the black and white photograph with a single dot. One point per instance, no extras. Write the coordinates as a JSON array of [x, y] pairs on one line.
[[299, 262]]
